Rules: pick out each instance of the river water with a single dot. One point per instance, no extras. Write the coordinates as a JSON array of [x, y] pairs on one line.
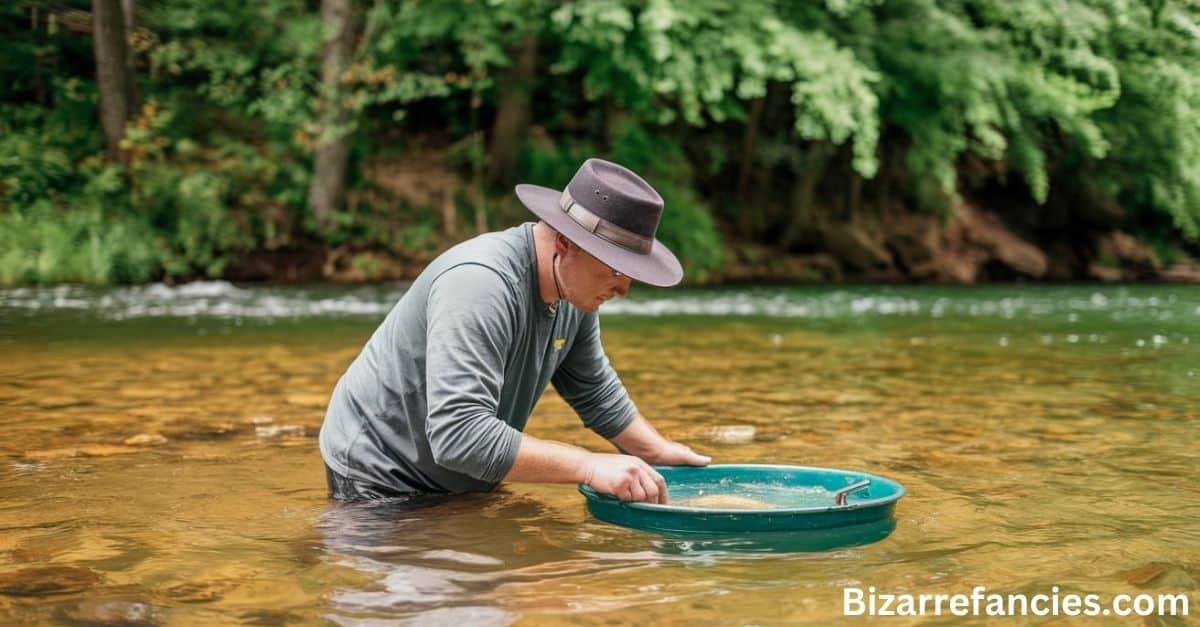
[[159, 460]]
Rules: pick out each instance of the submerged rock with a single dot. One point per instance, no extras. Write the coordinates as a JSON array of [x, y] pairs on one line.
[[181, 430], [307, 400], [278, 431], [59, 402], [1165, 575], [94, 450], [145, 439], [45, 580], [111, 612], [732, 434], [1145, 574], [140, 391], [270, 617], [197, 591]]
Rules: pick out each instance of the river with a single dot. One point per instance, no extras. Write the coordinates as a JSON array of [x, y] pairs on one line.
[[159, 464]]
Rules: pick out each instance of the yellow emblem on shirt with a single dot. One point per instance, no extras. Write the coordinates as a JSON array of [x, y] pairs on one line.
[[558, 343]]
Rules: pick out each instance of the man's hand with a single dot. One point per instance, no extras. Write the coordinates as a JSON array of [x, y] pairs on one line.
[[625, 477]]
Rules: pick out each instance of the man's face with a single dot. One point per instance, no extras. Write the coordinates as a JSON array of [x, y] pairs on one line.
[[587, 282]]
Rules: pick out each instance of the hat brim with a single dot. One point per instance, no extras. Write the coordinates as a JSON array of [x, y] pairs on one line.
[[659, 267]]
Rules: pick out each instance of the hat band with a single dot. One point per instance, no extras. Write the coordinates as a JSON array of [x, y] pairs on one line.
[[603, 228]]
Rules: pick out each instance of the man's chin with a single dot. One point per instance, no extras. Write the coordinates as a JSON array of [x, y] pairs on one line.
[[593, 307]]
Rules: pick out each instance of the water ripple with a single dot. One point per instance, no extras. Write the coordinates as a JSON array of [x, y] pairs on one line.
[[220, 299]]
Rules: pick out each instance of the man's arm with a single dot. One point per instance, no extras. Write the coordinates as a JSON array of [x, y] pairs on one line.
[[640, 438], [469, 332], [624, 476]]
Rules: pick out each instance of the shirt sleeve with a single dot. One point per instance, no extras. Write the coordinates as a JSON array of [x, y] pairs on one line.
[[470, 318], [587, 381]]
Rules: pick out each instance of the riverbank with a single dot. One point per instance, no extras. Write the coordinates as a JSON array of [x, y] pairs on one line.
[[972, 245]]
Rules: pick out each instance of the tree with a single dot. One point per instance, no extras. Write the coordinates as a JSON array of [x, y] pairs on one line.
[[512, 115], [327, 191], [113, 76]]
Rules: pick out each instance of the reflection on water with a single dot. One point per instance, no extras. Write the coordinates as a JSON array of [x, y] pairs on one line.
[[164, 470], [808, 540]]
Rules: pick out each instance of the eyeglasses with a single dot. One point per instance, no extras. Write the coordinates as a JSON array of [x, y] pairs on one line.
[[616, 273]]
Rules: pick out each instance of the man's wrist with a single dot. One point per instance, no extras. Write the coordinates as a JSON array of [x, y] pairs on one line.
[[585, 468], [638, 439]]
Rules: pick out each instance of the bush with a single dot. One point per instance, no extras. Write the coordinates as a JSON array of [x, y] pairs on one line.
[[47, 244], [190, 212], [85, 222]]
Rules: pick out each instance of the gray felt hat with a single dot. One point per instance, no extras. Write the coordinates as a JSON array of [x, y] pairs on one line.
[[613, 214]]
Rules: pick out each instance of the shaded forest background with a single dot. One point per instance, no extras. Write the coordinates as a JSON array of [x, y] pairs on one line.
[[886, 140]]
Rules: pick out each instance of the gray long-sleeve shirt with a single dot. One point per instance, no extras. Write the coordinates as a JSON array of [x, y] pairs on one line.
[[436, 400]]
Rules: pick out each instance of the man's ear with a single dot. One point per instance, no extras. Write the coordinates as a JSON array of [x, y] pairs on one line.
[[561, 244]]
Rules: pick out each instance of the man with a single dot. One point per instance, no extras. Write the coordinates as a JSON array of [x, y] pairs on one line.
[[438, 398]]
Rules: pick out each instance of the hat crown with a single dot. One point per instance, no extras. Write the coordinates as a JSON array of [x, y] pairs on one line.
[[617, 195]]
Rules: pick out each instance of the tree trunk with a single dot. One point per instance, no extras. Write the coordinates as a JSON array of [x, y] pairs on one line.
[[611, 122], [799, 220], [854, 196], [757, 215], [327, 192], [449, 214], [129, 11], [512, 116], [112, 73], [41, 93], [749, 139]]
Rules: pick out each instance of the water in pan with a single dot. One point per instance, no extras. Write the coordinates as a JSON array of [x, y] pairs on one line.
[[749, 496]]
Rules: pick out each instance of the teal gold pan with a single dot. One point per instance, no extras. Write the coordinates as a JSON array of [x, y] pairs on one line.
[[756, 498]]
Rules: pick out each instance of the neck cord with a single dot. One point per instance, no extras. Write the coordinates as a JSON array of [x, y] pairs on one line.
[[557, 286]]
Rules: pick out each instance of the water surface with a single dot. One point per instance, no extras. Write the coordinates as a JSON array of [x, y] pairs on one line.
[[160, 464]]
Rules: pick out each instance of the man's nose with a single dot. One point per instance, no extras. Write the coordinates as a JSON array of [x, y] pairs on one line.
[[623, 284]]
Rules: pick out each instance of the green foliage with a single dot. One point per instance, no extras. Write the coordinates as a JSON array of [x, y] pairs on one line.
[[1152, 167], [90, 222], [707, 58], [998, 79], [191, 210], [418, 236], [30, 169], [367, 265], [1078, 94], [84, 244], [553, 163]]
